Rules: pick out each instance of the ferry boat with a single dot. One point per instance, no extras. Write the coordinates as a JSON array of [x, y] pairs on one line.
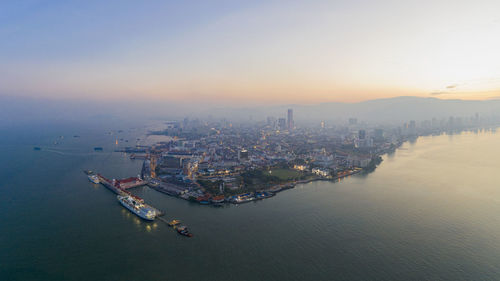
[[135, 206], [243, 198], [93, 178]]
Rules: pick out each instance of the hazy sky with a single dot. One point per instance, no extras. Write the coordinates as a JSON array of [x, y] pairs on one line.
[[250, 51]]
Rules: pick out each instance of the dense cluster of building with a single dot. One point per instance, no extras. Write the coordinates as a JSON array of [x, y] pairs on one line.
[[219, 158]]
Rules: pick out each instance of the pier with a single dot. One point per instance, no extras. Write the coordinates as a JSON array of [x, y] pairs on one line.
[[119, 187]]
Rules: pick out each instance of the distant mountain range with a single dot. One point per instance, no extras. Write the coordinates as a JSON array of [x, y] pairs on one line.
[[379, 110], [394, 110]]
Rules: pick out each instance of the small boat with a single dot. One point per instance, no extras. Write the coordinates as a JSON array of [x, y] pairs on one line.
[[218, 199], [173, 222], [204, 200], [97, 148], [182, 230], [88, 172], [37, 148], [263, 195]]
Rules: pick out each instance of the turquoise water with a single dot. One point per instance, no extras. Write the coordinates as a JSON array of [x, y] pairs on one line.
[[429, 212]]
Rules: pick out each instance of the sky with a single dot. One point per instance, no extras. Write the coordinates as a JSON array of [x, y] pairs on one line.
[[249, 52]]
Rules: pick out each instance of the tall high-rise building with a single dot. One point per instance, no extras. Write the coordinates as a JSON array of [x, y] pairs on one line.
[[361, 134], [243, 155], [290, 119], [282, 124]]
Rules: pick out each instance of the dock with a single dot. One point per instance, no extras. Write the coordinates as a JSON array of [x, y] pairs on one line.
[[119, 187]]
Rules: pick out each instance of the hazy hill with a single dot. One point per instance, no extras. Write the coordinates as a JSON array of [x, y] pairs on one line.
[[380, 110]]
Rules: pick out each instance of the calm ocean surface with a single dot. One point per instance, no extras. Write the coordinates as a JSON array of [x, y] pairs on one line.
[[430, 211]]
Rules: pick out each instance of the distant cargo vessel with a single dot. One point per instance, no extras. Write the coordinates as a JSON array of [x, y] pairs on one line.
[[135, 206]]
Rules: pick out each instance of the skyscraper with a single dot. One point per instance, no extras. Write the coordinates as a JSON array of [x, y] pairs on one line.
[[361, 134], [290, 119], [282, 124]]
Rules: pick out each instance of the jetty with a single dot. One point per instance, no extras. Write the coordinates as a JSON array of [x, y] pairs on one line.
[[120, 187]]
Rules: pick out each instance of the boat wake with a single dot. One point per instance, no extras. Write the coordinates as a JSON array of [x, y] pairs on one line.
[[72, 153]]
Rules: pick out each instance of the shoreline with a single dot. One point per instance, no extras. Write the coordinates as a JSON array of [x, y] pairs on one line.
[[182, 192], [249, 196]]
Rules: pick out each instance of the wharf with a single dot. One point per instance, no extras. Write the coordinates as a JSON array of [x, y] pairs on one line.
[[168, 188], [109, 184], [115, 187]]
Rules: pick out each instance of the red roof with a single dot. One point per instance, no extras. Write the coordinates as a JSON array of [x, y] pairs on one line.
[[132, 179]]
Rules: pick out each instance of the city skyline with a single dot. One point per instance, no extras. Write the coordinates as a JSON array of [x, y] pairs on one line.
[[258, 52]]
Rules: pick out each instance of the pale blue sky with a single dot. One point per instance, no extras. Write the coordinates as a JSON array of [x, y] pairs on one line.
[[250, 51]]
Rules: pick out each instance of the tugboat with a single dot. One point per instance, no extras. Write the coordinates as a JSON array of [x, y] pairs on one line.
[[182, 230], [174, 222]]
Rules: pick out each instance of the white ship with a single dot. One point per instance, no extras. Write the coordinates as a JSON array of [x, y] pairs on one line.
[[137, 207]]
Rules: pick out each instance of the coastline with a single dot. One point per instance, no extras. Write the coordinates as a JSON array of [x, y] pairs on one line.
[[204, 198], [270, 192]]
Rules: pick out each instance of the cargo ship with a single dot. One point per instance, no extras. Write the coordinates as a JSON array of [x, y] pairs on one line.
[[137, 207]]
